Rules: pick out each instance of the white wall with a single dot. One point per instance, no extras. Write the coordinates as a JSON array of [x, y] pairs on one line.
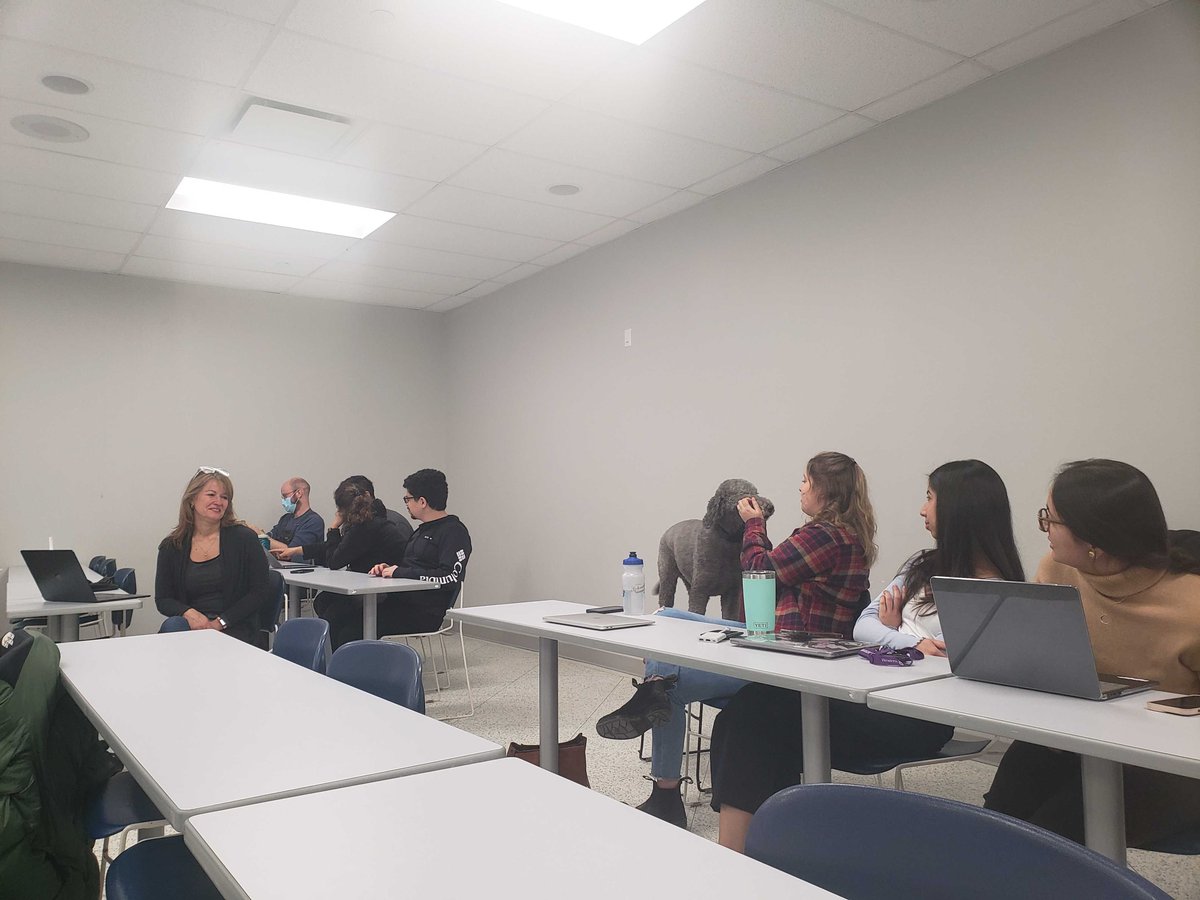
[[1009, 274], [113, 390]]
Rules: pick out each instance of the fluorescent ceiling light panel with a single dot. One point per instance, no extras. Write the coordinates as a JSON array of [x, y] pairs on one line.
[[635, 21], [232, 201]]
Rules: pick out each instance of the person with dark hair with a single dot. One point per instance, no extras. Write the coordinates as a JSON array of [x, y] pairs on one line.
[[757, 744], [358, 537], [1141, 597], [438, 551], [211, 569], [392, 516], [822, 574]]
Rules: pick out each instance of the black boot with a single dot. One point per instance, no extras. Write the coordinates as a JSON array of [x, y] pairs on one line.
[[666, 804], [646, 709]]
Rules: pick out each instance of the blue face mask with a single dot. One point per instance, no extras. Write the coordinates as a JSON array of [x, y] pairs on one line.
[[289, 504]]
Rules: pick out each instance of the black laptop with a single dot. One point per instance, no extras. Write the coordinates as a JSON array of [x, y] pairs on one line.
[[60, 578]]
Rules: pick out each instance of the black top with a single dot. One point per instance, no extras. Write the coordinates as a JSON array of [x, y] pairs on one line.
[[244, 586], [202, 586], [362, 546], [438, 551]]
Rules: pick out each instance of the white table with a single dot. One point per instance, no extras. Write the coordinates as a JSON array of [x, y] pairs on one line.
[[494, 829], [62, 619], [204, 722], [1106, 734], [677, 641], [351, 584]]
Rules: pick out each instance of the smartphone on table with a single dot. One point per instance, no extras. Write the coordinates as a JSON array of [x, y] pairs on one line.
[[1188, 705]]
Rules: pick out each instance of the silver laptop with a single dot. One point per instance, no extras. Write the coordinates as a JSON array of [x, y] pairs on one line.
[[276, 563], [1025, 635], [597, 621], [802, 644]]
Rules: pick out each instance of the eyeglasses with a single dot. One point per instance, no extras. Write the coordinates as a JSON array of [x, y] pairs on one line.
[[886, 656], [1044, 520], [211, 470], [408, 499]]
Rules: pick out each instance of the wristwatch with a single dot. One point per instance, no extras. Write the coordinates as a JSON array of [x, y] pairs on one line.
[[224, 624]]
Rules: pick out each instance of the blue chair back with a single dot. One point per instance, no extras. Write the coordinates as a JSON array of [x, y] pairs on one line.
[[304, 642], [865, 842], [109, 569], [387, 670], [97, 565], [268, 617], [157, 868], [126, 580]]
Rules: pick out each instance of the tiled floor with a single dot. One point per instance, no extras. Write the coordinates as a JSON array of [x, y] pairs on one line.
[[505, 685]]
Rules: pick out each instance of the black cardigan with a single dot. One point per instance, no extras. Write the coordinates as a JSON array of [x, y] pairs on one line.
[[244, 583], [362, 546]]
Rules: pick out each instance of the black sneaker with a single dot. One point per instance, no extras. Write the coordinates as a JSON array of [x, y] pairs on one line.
[[666, 804], [646, 709]]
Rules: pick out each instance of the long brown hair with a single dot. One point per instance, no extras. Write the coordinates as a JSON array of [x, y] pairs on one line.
[[842, 486], [187, 514], [353, 502]]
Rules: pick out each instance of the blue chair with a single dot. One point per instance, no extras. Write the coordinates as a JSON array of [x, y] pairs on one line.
[[126, 580], [866, 842], [158, 868], [268, 616], [953, 751], [121, 807], [97, 564], [304, 642], [387, 670]]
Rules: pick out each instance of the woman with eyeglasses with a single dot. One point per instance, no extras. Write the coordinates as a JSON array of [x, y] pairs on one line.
[[211, 570], [1141, 597], [757, 738]]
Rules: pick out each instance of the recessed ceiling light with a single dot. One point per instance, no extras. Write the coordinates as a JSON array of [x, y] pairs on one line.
[[564, 190], [635, 21], [50, 128], [65, 84], [232, 201]]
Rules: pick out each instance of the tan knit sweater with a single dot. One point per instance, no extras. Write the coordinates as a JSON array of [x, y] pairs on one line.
[[1143, 622]]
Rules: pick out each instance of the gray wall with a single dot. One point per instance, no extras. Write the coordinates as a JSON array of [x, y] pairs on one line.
[[1009, 274], [113, 390]]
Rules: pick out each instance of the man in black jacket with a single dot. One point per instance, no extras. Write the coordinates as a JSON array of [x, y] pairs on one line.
[[438, 551]]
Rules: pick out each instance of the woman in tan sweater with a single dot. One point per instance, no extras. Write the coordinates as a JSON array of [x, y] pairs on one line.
[[1108, 537]]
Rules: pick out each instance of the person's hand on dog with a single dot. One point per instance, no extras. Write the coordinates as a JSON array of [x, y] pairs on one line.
[[748, 509]]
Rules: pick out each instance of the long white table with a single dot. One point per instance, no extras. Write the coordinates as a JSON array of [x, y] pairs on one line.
[[204, 722], [677, 641], [1106, 735], [350, 584], [62, 619], [495, 829]]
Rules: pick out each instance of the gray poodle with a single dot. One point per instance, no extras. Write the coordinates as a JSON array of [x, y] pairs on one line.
[[706, 553]]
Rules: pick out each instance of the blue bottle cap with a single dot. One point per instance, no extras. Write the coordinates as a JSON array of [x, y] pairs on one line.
[[632, 559]]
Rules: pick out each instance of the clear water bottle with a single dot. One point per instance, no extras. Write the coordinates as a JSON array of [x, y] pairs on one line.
[[633, 585]]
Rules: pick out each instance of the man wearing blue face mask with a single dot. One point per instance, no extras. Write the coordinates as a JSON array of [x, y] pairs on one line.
[[300, 523]]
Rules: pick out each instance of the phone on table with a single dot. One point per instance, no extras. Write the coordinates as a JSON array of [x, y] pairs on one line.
[[605, 609], [1188, 705], [720, 634]]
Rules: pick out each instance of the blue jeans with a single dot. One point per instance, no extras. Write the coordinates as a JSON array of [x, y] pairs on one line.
[[666, 754], [174, 623]]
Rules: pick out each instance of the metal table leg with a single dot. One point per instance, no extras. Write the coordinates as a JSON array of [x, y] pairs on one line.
[[370, 621], [1104, 807], [548, 702], [814, 710], [293, 602]]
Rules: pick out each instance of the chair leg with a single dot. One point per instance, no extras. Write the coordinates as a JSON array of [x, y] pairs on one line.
[[466, 677]]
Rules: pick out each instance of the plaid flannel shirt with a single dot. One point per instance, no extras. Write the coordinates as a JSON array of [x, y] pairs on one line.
[[821, 575]]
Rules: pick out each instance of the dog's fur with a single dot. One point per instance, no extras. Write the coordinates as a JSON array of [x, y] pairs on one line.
[[706, 553]]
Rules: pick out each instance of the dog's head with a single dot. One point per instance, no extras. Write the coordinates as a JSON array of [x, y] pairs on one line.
[[722, 508]]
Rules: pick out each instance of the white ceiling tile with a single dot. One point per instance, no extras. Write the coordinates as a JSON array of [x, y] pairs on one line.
[[801, 47], [36, 166], [261, 10], [159, 34], [119, 91], [739, 174], [529, 178], [412, 153], [382, 276], [453, 302], [673, 204], [222, 276], [363, 293], [482, 289], [451, 236], [66, 234], [112, 141], [454, 204], [47, 203], [275, 171], [613, 230], [563, 253], [964, 26], [1058, 34], [927, 91], [253, 235], [62, 257], [654, 90], [482, 41], [159, 247], [310, 73], [518, 273], [415, 259], [822, 138], [597, 142]]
